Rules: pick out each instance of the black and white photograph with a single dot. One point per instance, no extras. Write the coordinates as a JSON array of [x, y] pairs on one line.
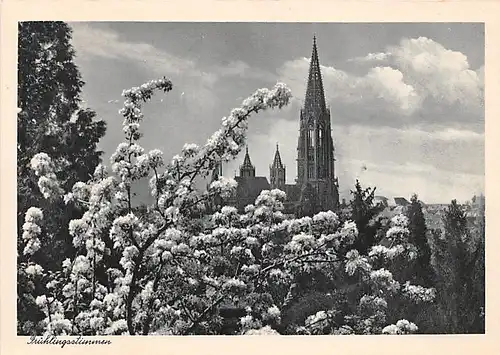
[[250, 178]]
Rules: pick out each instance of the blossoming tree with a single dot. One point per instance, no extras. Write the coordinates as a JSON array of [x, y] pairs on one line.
[[154, 271]]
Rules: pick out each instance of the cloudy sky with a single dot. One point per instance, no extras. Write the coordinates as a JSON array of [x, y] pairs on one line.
[[406, 99]]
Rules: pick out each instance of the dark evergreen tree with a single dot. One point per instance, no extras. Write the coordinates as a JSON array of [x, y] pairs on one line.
[[458, 261], [423, 273], [52, 121], [363, 210]]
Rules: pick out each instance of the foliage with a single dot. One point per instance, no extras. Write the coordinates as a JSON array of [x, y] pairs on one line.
[[363, 210], [143, 271], [458, 262], [418, 235], [50, 121]]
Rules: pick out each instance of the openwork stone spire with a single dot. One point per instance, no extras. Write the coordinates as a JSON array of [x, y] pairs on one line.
[[315, 96]]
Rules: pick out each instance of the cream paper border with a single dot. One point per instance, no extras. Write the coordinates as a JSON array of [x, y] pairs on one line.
[[248, 11]]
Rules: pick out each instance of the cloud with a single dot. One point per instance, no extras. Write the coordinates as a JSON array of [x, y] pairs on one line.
[[381, 87], [453, 150], [433, 185], [416, 82], [480, 73], [370, 57], [439, 165], [436, 72], [240, 69], [237, 67], [411, 114], [91, 42], [390, 86]]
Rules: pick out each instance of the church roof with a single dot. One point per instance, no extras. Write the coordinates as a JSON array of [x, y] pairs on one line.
[[251, 187], [315, 96], [401, 201], [277, 159]]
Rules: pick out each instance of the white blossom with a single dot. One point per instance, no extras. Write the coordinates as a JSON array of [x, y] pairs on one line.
[[355, 262], [81, 265], [248, 322], [234, 284], [68, 290], [373, 302], [32, 230], [348, 233], [117, 327], [34, 270], [273, 312], [251, 269], [267, 330], [418, 293], [128, 255], [190, 149], [223, 186], [400, 220], [41, 301], [47, 182], [301, 242], [327, 221], [388, 253], [401, 327], [33, 215], [317, 321], [344, 330], [383, 279], [66, 263]]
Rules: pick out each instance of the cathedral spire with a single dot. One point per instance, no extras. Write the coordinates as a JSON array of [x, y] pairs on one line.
[[315, 150], [315, 96]]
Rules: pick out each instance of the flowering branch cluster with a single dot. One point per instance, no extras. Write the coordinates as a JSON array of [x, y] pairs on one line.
[[43, 167], [169, 269], [32, 230]]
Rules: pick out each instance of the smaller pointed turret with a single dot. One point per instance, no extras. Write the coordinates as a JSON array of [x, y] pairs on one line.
[[247, 161], [247, 169], [217, 172], [277, 171], [216, 201], [277, 158]]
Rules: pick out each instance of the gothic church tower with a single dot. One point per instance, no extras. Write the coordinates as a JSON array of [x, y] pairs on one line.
[[315, 150], [277, 172], [247, 169]]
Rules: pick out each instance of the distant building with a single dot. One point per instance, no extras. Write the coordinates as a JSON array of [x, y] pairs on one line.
[[316, 187], [476, 207], [384, 201], [249, 185], [401, 201]]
